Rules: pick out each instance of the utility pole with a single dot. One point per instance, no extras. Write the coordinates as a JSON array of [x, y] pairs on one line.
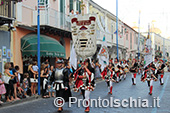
[[38, 46], [139, 36], [117, 29]]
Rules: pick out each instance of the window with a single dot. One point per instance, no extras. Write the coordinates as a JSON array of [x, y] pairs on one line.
[[155, 47], [112, 31], [62, 6], [71, 4], [159, 48], [78, 3], [43, 2], [136, 39], [126, 36], [130, 40]]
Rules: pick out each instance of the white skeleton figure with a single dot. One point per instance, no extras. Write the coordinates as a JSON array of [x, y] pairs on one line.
[[84, 35]]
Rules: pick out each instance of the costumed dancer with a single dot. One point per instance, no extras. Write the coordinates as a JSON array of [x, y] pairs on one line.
[[121, 70], [160, 71], [141, 66], [133, 70], [116, 68], [90, 82], [78, 81], [149, 72], [125, 68], [156, 64], [108, 74], [61, 83]]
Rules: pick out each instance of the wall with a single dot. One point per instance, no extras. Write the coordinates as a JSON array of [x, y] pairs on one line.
[[4, 41]]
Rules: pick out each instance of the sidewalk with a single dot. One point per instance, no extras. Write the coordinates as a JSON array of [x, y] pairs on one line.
[[5, 104]]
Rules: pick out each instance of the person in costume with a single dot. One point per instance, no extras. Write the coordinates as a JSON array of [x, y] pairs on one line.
[[61, 83], [78, 81], [108, 74], [141, 66], [160, 71], [90, 81], [125, 68], [116, 68], [149, 72], [133, 70], [121, 70]]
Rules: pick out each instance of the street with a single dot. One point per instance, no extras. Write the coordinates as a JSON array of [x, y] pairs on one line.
[[122, 90]]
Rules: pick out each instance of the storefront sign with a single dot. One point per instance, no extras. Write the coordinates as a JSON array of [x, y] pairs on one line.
[[54, 54]]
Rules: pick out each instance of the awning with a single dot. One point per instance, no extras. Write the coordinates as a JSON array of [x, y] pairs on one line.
[[48, 46]]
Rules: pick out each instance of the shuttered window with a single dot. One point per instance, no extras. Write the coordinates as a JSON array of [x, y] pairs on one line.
[[62, 6], [71, 5]]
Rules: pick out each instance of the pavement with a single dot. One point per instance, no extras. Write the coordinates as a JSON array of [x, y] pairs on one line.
[[122, 90]]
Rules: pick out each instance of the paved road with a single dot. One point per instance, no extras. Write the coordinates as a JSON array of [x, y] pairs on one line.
[[122, 90]]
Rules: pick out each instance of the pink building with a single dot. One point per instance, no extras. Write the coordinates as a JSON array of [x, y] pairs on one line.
[[54, 27]]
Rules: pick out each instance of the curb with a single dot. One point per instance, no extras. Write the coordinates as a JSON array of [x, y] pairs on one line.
[[5, 104]]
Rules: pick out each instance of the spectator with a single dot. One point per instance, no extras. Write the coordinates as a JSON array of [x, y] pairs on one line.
[[77, 13], [2, 88], [18, 76], [32, 80], [35, 69], [25, 83], [14, 72], [72, 12], [50, 85], [44, 77], [9, 86]]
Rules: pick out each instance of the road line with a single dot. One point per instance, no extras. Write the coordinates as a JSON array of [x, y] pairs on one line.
[[154, 110]]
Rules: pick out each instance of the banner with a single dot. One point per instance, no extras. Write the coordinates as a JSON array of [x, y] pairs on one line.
[[73, 58], [148, 52], [84, 35], [103, 55]]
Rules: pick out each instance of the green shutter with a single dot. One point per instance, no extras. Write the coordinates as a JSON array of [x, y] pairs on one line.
[[71, 5], [79, 7], [61, 6]]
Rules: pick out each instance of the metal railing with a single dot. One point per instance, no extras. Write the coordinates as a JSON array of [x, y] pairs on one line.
[[7, 9], [54, 18]]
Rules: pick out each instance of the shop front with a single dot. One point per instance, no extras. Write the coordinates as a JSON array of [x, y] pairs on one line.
[[5, 52], [50, 49]]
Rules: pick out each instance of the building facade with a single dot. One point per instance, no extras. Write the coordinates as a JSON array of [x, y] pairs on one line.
[[7, 18]]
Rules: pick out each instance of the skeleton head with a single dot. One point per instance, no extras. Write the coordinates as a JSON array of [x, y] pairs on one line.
[[84, 35]]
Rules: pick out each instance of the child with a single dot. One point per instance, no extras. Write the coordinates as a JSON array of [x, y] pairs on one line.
[[25, 83], [2, 88], [35, 69], [50, 84]]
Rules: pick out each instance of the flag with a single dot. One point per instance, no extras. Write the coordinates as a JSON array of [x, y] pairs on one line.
[[73, 58], [103, 55]]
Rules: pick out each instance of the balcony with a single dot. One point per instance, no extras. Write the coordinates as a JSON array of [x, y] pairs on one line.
[[52, 18], [7, 11]]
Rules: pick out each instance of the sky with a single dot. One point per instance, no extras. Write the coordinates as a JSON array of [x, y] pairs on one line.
[[128, 12]]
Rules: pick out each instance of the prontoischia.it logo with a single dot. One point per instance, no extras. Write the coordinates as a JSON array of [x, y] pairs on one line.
[[111, 102]]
